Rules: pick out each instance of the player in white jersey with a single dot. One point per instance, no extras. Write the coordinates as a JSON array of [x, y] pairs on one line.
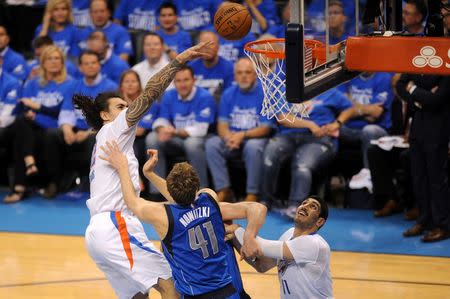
[[302, 256], [115, 238]]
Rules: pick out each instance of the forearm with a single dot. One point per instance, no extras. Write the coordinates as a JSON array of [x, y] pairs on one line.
[[256, 215], [129, 195], [296, 123], [223, 129], [160, 184], [153, 90], [258, 17], [261, 264], [347, 114]]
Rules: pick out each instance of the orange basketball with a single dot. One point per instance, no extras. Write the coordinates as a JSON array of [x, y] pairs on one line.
[[232, 21]]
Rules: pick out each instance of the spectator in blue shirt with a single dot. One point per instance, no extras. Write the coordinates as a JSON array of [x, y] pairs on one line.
[[73, 140], [137, 14], [279, 30], [196, 15], [306, 142], [80, 10], [370, 95], [232, 50], [212, 72], [130, 88], [175, 39], [185, 116], [13, 62], [117, 36], [33, 66], [112, 65], [337, 22], [264, 13], [10, 92], [41, 104], [242, 131], [57, 23]]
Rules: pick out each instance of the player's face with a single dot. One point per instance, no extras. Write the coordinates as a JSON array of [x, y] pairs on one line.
[[130, 85], [90, 66], [336, 16], [60, 13], [153, 47], [115, 106], [99, 13], [4, 38], [167, 18], [53, 63], [213, 49], [184, 82], [307, 213], [244, 74]]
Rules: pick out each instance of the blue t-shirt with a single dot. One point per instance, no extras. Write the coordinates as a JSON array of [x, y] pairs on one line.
[[138, 14], [232, 50], [179, 41], [322, 109], [51, 97], [315, 18], [195, 248], [242, 110], [65, 39], [375, 89], [152, 114], [118, 38], [113, 67], [196, 14], [215, 79], [15, 64], [270, 12], [10, 92], [74, 117], [80, 11], [182, 113]]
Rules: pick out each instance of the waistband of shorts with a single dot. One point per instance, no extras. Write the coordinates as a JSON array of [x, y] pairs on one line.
[[221, 293], [108, 213]]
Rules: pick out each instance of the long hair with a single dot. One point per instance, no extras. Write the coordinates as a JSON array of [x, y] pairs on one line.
[[91, 107], [122, 78], [62, 76], [51, 4]]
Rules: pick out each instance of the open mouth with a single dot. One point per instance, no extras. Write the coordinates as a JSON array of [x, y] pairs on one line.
[[302, 212]]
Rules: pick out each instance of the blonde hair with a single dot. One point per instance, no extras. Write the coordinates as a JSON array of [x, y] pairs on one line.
[[51, 4], [42, 72]]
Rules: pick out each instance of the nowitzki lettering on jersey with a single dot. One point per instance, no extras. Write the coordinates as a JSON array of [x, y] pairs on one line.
[[190, 216]]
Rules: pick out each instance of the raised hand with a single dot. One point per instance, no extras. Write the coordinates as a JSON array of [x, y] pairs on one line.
[[151, 162], [194, 52], [114, 156]]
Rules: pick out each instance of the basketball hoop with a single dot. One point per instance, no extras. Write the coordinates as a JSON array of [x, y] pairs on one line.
[[268, 57]]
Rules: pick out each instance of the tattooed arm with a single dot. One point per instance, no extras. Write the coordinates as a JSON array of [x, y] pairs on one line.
[[159, 82]]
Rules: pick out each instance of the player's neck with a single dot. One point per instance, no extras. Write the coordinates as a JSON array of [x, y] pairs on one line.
[[299, 231]]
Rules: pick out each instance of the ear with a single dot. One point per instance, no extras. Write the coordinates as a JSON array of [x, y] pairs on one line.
[[320, 222], [104, 115]]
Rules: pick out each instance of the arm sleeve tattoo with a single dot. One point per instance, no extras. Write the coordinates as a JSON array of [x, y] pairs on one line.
[[153, 90]]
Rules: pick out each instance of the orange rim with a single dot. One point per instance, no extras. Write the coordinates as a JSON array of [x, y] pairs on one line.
[[309, 43]]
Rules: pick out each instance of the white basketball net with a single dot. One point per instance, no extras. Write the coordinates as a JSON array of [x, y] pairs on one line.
[[271, 73]]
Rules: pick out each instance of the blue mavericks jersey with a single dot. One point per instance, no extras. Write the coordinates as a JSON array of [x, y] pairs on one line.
[[195, 248]]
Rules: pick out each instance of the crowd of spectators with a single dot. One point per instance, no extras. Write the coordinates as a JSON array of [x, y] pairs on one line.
[[210, 113]]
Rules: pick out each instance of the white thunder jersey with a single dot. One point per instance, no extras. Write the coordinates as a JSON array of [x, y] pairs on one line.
[[308, 275], [106, 192]]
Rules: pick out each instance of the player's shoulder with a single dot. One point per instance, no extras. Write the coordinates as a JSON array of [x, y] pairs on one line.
[[287, 235], [321, 242]]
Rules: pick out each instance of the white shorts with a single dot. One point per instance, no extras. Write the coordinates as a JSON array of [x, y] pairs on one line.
[[120, 248]]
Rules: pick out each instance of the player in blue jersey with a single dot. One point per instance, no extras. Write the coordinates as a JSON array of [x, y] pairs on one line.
[[138, 14], [40, 106], [369, 117], [175, 39], [213, 72], [57, 23], [112, 65], [191, 228], [13, 62], [117, 35]]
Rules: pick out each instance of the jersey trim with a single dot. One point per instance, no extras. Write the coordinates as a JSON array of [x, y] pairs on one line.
[[168, 238]]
